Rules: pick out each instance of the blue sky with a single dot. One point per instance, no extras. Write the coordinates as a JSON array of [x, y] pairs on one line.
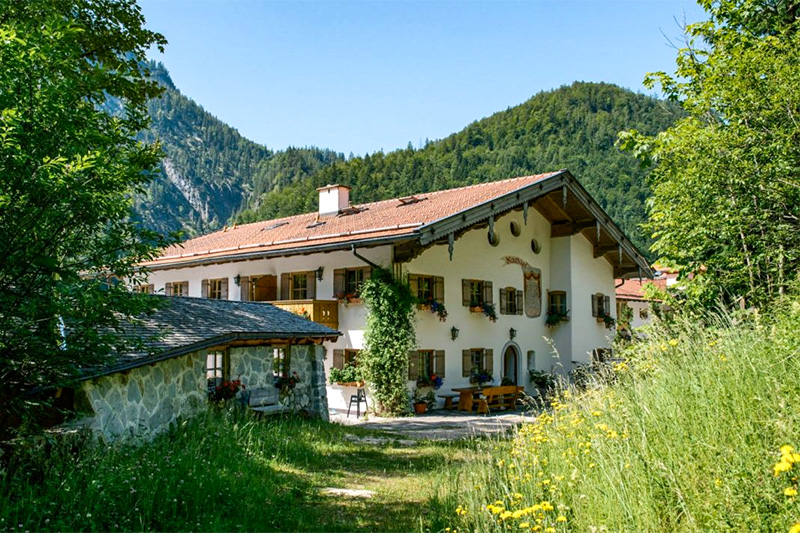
[[363, 76]]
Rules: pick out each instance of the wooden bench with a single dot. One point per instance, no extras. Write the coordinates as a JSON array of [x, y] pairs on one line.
[[448, 400], [264, 401], [498, 398]]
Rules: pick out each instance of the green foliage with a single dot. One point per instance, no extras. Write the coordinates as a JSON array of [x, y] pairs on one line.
[[388, 338], [726, 198], [572, 127], [220, 472], [349, 374], [685, 440], [67, 172]]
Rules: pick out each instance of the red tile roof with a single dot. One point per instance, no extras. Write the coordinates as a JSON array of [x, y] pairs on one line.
[[377, 220], [633, 289]]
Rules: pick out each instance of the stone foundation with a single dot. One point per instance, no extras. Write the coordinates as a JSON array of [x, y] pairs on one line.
[[144, 401]]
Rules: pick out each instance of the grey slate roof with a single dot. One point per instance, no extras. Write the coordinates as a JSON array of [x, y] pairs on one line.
[[186, 324]]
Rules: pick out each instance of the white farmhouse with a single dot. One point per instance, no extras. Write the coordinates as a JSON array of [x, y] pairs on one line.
[[527, 248]]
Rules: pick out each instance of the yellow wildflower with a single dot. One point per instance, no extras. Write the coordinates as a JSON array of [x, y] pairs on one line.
[[673, 342], [525, 525], [561, 518], [795, 528], [790, 491], [787, 449]]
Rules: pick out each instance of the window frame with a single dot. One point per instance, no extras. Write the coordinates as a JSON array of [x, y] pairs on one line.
[[559, 307], [282, 362], [220, 368], [183, 285]]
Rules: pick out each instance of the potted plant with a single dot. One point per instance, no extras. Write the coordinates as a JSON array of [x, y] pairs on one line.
[[226, 390], [423, 401], [485, 308], [287, 383], [607, 319], [348, 375], [434, 307], [555, 317], [479, 376], [432, 382]]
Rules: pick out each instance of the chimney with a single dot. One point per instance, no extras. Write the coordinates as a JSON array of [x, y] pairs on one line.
[[333, 199]]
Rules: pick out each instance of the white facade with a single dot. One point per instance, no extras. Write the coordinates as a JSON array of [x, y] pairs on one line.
[[566, 264]]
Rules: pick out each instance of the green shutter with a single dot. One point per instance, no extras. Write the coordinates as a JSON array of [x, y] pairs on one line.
[[487, 293], [465, 292], [413, 365], [466, 363], [503, 301], [338, 359], [438, 363], [520, 301], [338, 283], [488, 360], [438, 289]]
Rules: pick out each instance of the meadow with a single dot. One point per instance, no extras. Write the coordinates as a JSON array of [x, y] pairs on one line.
[[696, 431]]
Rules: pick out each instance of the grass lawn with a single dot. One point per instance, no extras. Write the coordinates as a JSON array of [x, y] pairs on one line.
[[224, 472]]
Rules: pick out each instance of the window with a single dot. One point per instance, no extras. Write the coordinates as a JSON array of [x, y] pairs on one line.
[[427, 289], [476, 293], [177, 288], [511, 301], [643, 314], [601, 305], [477, 360], [345, 357], [557, 303], [281, 362], [298, 286], [347, 282], [422, 364], [144, 288], [216, 289], [216, 368], [259, 288]]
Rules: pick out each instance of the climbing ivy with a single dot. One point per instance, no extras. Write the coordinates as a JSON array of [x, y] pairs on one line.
[[389, 337]]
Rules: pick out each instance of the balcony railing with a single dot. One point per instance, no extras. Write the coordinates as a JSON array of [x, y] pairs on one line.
[[325, 312]]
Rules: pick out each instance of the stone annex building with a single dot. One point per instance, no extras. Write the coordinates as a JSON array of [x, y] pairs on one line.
[[523, 249], [190, 346]]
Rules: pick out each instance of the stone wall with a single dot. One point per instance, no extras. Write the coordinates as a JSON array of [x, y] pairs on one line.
[[146, 400]]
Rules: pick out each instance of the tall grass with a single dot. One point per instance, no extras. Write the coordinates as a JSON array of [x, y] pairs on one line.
[[686, 439], [224, 472]]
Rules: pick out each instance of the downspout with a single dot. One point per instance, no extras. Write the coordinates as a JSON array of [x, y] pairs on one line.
[[367, 261]]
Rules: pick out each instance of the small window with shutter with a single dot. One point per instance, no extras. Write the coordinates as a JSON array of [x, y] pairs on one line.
[[601, 305], [511, 301], [262, 288], [347, 282], [145, 288], [422, 364], [177, 288], [216, 289], [298, 286], [476, 293], [427, 289]]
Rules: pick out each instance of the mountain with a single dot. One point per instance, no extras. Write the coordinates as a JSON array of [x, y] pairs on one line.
[[572, 127], [210, 170]]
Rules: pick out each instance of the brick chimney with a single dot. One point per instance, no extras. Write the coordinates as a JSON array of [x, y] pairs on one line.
[[333, 199]]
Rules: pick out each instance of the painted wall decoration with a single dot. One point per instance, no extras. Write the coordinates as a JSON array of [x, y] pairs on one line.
[[532, 285]]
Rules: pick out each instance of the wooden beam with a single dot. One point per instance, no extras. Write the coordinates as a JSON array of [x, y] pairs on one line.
[[566, 229], [600, 251], [549, 199]]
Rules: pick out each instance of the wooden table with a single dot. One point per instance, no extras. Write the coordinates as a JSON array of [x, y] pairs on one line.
[[466, 397]]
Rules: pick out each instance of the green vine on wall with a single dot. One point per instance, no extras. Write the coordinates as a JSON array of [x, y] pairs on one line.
[[389, 336]]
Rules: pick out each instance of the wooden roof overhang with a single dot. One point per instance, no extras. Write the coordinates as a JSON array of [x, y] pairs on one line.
[[563, 201]]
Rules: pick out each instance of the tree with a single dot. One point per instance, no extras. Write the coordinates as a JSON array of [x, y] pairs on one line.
[[725, 204], [68, 171]]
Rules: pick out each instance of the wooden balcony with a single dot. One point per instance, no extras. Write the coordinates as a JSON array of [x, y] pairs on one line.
[[325, 312]]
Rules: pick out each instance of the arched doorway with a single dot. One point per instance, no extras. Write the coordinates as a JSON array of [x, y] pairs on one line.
[[511, 363]]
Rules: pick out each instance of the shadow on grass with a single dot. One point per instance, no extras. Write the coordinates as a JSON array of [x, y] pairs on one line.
[[227, 472]]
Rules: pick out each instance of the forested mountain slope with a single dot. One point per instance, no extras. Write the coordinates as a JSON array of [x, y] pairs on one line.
[[572, 127], [210, 170]]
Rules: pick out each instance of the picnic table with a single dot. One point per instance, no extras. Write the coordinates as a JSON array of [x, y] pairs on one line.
[[467, 396]]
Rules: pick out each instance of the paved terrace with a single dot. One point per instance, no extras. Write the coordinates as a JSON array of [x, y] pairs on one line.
[[439, 424]]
